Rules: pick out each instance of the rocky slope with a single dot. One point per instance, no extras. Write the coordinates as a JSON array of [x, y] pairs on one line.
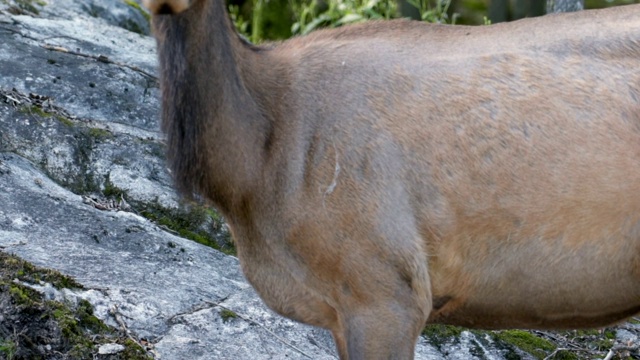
[[84, 190]]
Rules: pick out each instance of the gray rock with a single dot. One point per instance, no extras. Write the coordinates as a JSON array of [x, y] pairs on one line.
[[108, 349]]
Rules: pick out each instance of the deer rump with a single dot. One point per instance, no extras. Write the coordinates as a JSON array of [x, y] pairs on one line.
[[384, 175]]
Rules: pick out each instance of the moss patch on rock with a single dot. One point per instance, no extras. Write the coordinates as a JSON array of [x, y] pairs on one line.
[[32, 327], [227, 315], [139, 8], [26, 7], [438, 334], [191, 223], [525, 341]]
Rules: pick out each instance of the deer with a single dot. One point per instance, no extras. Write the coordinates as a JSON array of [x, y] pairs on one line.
[[385, 175]]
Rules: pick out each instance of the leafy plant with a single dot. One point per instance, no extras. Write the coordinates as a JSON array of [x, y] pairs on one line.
[[8, 348], [241, 25], [314, 14], [434, 14]]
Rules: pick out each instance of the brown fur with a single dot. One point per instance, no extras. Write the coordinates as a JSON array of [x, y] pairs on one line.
[[386, 174]]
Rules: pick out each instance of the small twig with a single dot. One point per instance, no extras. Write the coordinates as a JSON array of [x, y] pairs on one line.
[[116, 315], [554, 353], [630, 348], [207, 305], [17, 32], [165, 228], [100, 58], [19, 243], [610, 355], [620, 347], [262, 326]]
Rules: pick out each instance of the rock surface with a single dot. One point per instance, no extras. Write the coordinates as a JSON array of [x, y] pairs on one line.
[[78, 117]]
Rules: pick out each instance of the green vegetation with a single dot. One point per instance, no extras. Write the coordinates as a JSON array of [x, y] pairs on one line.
[[193, 222], [439, 334], [69, 330], [189, 223], [436, 13], [35, 110], [30, 5], [38, 111], [29, 273], [587, 344], [136, 6], [64, 121], [598, 340], [525, 341], [8, 348], [112, 191], [315, 14], [261, 20], [227, 315], [22, 295], [99, 134], [132, 24]]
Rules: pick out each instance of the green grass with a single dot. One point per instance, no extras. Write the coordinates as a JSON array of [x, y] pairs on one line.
[[8, 348]]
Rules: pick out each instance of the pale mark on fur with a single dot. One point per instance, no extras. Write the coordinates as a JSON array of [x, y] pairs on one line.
[[334, 181]]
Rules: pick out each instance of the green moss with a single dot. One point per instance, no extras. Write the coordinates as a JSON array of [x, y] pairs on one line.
[[439, 335], [77, 330], [28, 5], [29, 273], [188, 223], [133, 351], [564, 355], [132, 25], [227, 315], [110, 190], [66, 321], [137, 6], [22, 295], [100, 134], [34, 110], [86, 318], [77, 326], [526, 342], [634, 320], [600, 340]]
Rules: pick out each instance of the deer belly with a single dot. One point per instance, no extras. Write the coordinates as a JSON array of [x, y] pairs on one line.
[[537, 283]]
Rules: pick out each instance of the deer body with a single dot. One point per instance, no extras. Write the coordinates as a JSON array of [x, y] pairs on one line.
[[382, 175]]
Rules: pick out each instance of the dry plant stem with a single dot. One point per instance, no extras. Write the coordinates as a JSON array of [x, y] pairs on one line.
[[116, 315], [620, 347], [554, 353], [100, 58], [245, 318]]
